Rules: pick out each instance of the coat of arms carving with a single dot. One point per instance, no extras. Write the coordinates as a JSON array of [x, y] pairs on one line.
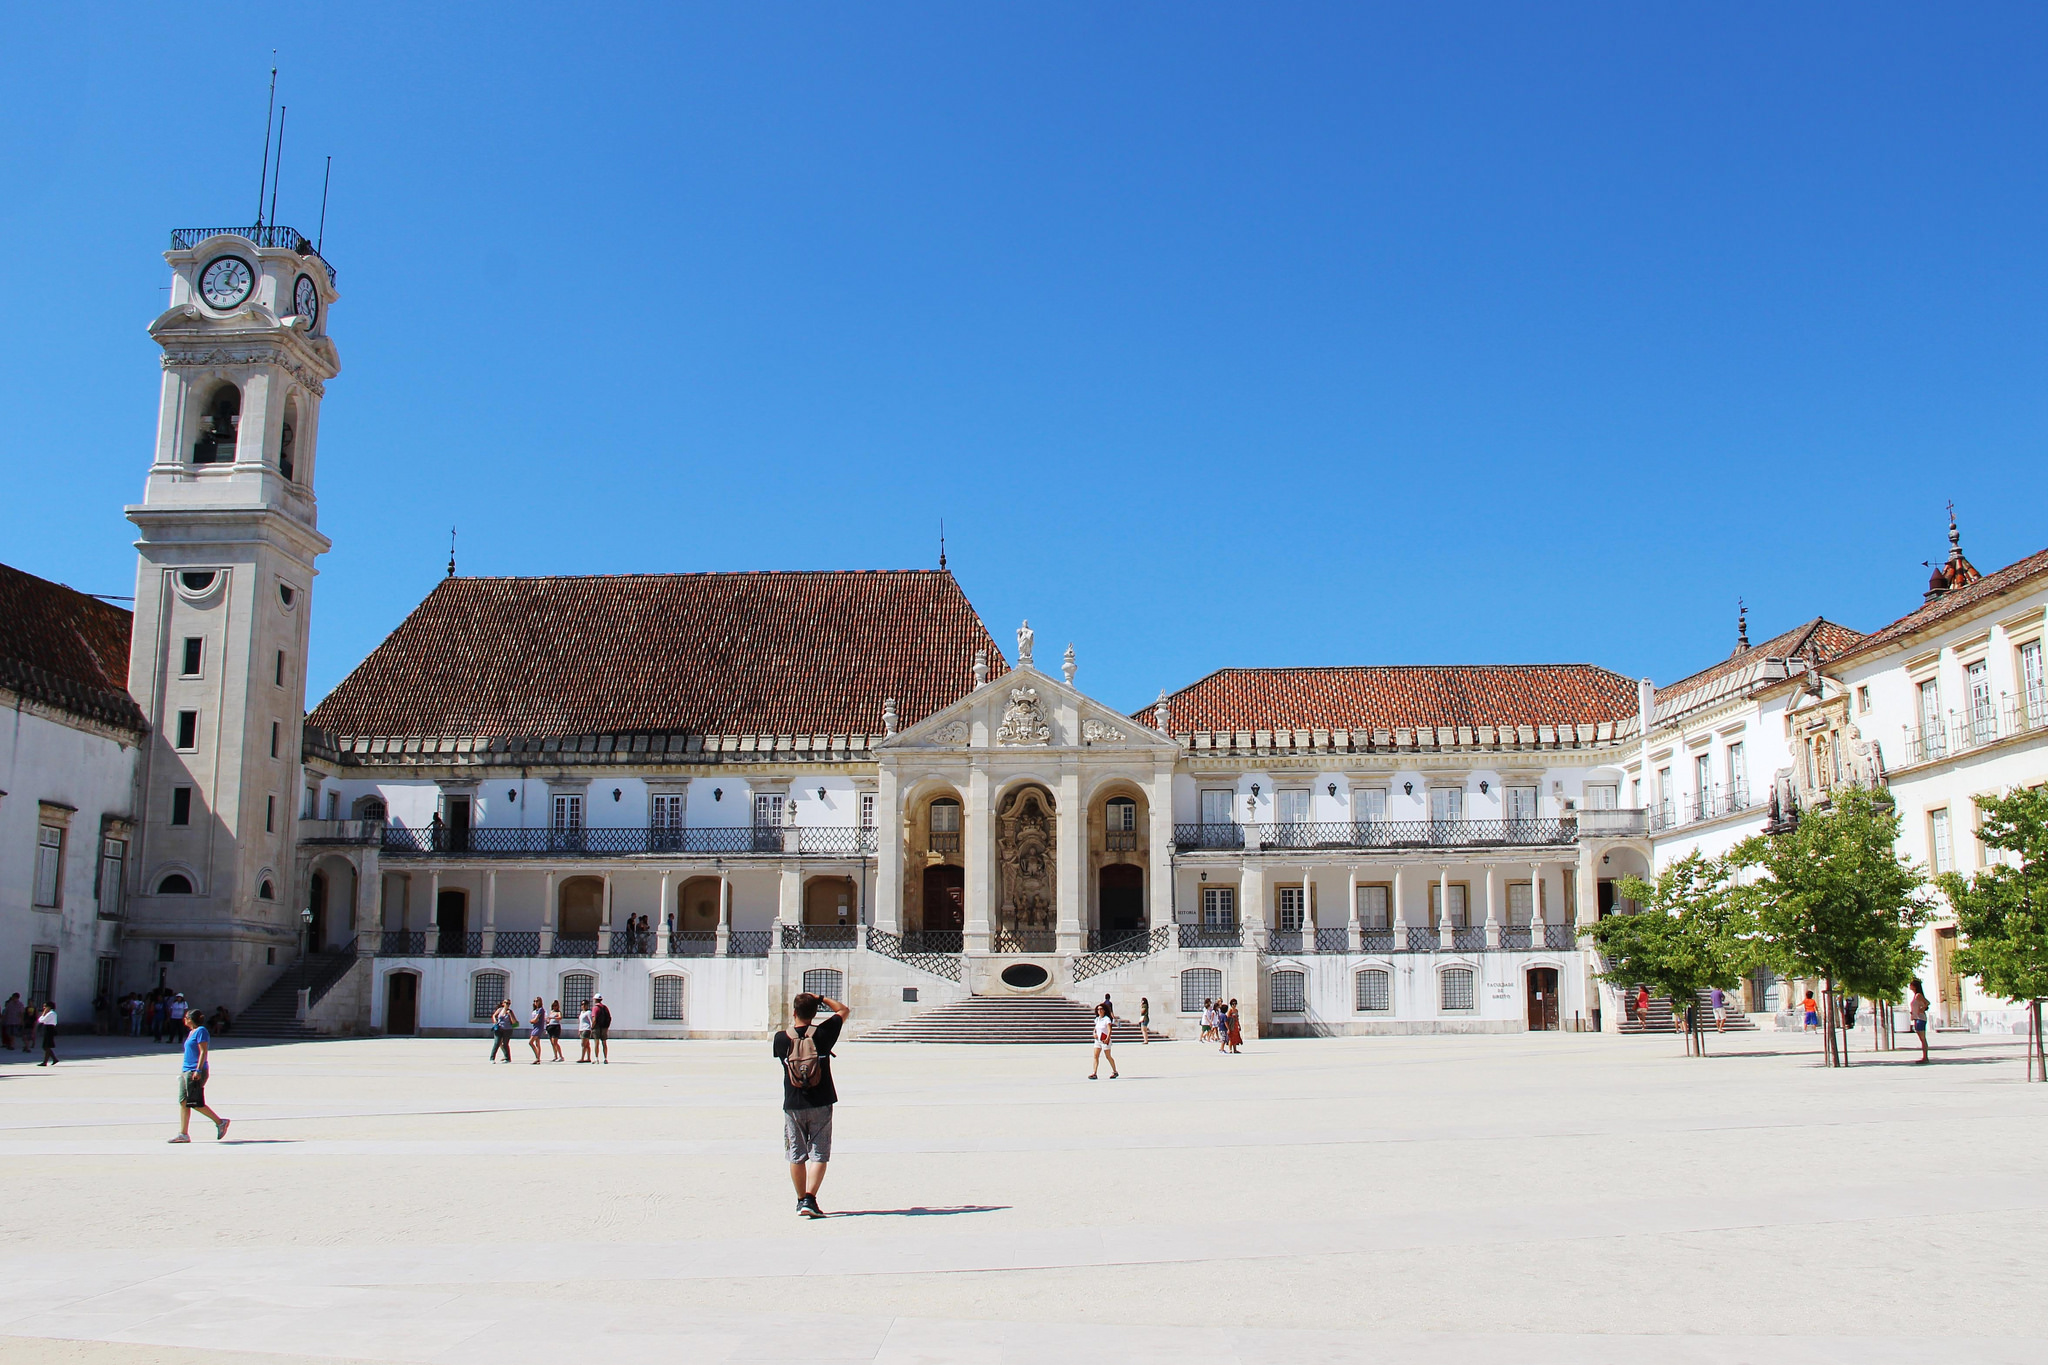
[[953, 735], [1023, 721]]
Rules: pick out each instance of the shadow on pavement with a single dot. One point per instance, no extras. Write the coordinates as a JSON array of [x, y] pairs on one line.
[[921, 1211]]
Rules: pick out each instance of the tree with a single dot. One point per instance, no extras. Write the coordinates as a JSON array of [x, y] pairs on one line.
[[2002, 912], [1837, 902], [1691, 933]]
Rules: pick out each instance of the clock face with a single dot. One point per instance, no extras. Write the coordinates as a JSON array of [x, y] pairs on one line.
[[306, 300], [226, 281]]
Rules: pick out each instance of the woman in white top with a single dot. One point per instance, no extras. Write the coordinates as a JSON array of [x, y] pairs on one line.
[[585, 1021], [46, 1024], [1104, 1021]]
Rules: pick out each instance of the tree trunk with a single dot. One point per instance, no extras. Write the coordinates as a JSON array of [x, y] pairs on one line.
[[2037, 1054], [1829, 1055]]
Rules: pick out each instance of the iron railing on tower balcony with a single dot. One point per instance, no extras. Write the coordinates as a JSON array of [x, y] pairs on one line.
[[262, 234]]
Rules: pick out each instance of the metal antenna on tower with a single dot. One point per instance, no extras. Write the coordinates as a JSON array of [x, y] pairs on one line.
[[451, 552], [320, 237], [278, 174], [264, 184], [942, 542]]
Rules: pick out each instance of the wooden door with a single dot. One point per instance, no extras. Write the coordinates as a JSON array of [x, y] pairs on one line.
[[402, 1004], [945, 898], [1542, 999]]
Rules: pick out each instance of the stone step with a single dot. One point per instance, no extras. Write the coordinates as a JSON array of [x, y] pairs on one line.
[[1661, 1020], [1004, 1019]]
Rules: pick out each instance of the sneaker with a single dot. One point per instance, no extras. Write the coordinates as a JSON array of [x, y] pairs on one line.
[[181, 1138], [807, 1207], [220, 1130]]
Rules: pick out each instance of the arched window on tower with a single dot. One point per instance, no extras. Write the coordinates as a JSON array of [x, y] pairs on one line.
[[287, 441], [219, 422]]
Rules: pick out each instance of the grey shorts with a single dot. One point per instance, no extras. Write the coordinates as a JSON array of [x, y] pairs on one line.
[[807, 1133], [192, 1089]]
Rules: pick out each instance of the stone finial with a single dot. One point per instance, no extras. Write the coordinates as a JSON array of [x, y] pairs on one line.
[[1741, 626], [1161, 717], [889, 716], [1024, 638], [980, 667], [1067, 664]]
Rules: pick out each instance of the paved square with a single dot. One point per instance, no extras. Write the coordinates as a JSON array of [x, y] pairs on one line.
[[1440, 1199]]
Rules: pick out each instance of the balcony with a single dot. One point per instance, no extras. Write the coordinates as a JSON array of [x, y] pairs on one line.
[[273, 235], [1989, 723], [602, 841], [1614, 824], [943, 842], [1696, 807], [340, 831], [1120, 841], [1376, 834]]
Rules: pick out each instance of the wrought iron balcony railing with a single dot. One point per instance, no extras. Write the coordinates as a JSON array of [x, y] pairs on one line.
[[580, 946], [1210, 936], [1987, 723], [693, 943], [839, 937], [1023, 941], [1375, 834], [516, 943], [263, 235], [749, 943], [943, 842], [603, 841], [1121, 953]]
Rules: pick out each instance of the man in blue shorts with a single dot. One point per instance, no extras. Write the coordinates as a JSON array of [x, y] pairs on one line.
[[192, 1078]]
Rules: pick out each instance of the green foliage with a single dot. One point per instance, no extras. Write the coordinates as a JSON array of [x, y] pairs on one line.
[[2002, 912], [1836, 901], [1692, 932]]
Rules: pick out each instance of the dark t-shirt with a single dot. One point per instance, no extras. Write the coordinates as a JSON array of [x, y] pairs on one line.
[[824, 1034]]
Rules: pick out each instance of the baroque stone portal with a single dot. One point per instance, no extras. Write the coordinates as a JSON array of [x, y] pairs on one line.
[[1025, 866]]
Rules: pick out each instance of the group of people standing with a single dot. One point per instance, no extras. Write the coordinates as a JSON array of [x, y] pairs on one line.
[[544, 1024], [1221, 1025], [34, 1023]]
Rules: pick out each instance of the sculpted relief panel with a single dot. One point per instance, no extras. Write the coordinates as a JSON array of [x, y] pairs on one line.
[[1024, 864], [1023, 720]]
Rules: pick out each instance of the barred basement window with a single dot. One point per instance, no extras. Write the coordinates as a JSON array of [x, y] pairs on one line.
[[668, 999], [828, 981], [1375, 992], [486, 990], [1290, 992], [577, 988], [1456, 987], [1198, 984]]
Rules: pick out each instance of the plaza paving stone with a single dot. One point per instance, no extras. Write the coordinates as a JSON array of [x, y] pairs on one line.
[[1575, 1198]]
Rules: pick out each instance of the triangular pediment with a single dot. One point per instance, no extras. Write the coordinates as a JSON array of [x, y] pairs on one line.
[[1023, 710]]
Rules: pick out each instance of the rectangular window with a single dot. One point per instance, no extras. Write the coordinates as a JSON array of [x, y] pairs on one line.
[[1520, 803], [1373, 902], [1602, 798], [1292, 913], [334, 805], [1369, 805], [273, 739], [486, 989], [1635, 793], [668, 811], [1294, 806], [767, 810], [1446, 804], [280, 668], [1738, 775], [1290, 992], [1983, 712], [668, 999], [42, 975], [1939, 848], [1375, 992], [1436, 896], [1216, 807], [568, 812], [181, 805], [103, 980], [270, 815], [1219, 907], [1664, 794], [188, 730], [1933, 744], [945, 817], [49, 865], [1457, 988], [1521, 907], [867, 810], [195, 655], [1863, 699], [113, 876], [2033, 687], [1703, 784]]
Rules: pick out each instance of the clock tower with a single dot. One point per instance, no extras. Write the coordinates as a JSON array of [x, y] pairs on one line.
[[223, 597]]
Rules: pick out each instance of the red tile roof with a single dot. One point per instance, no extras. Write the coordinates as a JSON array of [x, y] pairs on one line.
[[1387, 697], [1953, 603], [66, 649], [1819, 637], [701, 654]]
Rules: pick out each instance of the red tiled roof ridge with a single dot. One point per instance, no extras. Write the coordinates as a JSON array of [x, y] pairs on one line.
[[673, 573], [66, 648], [1778, 646], [2013, 575], [1402, 696]]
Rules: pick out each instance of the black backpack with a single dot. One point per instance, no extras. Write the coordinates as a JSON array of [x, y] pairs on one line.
[[603, 1015]]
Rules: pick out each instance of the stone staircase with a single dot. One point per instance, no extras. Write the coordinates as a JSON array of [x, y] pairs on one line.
[[1004, 1019], [275, 1013], [1661, 1021]]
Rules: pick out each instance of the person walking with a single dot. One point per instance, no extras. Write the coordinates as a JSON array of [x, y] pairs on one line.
[[503, 1021], [10, 1020], [555, 1029], [1145, 1021], [536, 1026], [1720, 1000], [1643, 1006], [1105, 1024], [1916, 1014], [1811, 1008], [600, 1031], [46, 1032], [804, 1052], [1208, 1020], [583, 1026], [174, 1017], [1234, 1029], [192, 1080]]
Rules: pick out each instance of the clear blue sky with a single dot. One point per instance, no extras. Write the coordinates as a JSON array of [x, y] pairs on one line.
[[1218, 335]]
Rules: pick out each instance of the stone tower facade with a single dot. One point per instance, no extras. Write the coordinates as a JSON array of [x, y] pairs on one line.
[[223, 600]]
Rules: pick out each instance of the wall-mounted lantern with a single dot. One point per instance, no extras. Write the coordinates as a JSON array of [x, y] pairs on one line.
[[1482, 788], [1333, 788], [1408, 788], [718, 793]]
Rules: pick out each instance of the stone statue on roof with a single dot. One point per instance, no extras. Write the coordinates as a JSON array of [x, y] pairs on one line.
[[1024, 638]]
